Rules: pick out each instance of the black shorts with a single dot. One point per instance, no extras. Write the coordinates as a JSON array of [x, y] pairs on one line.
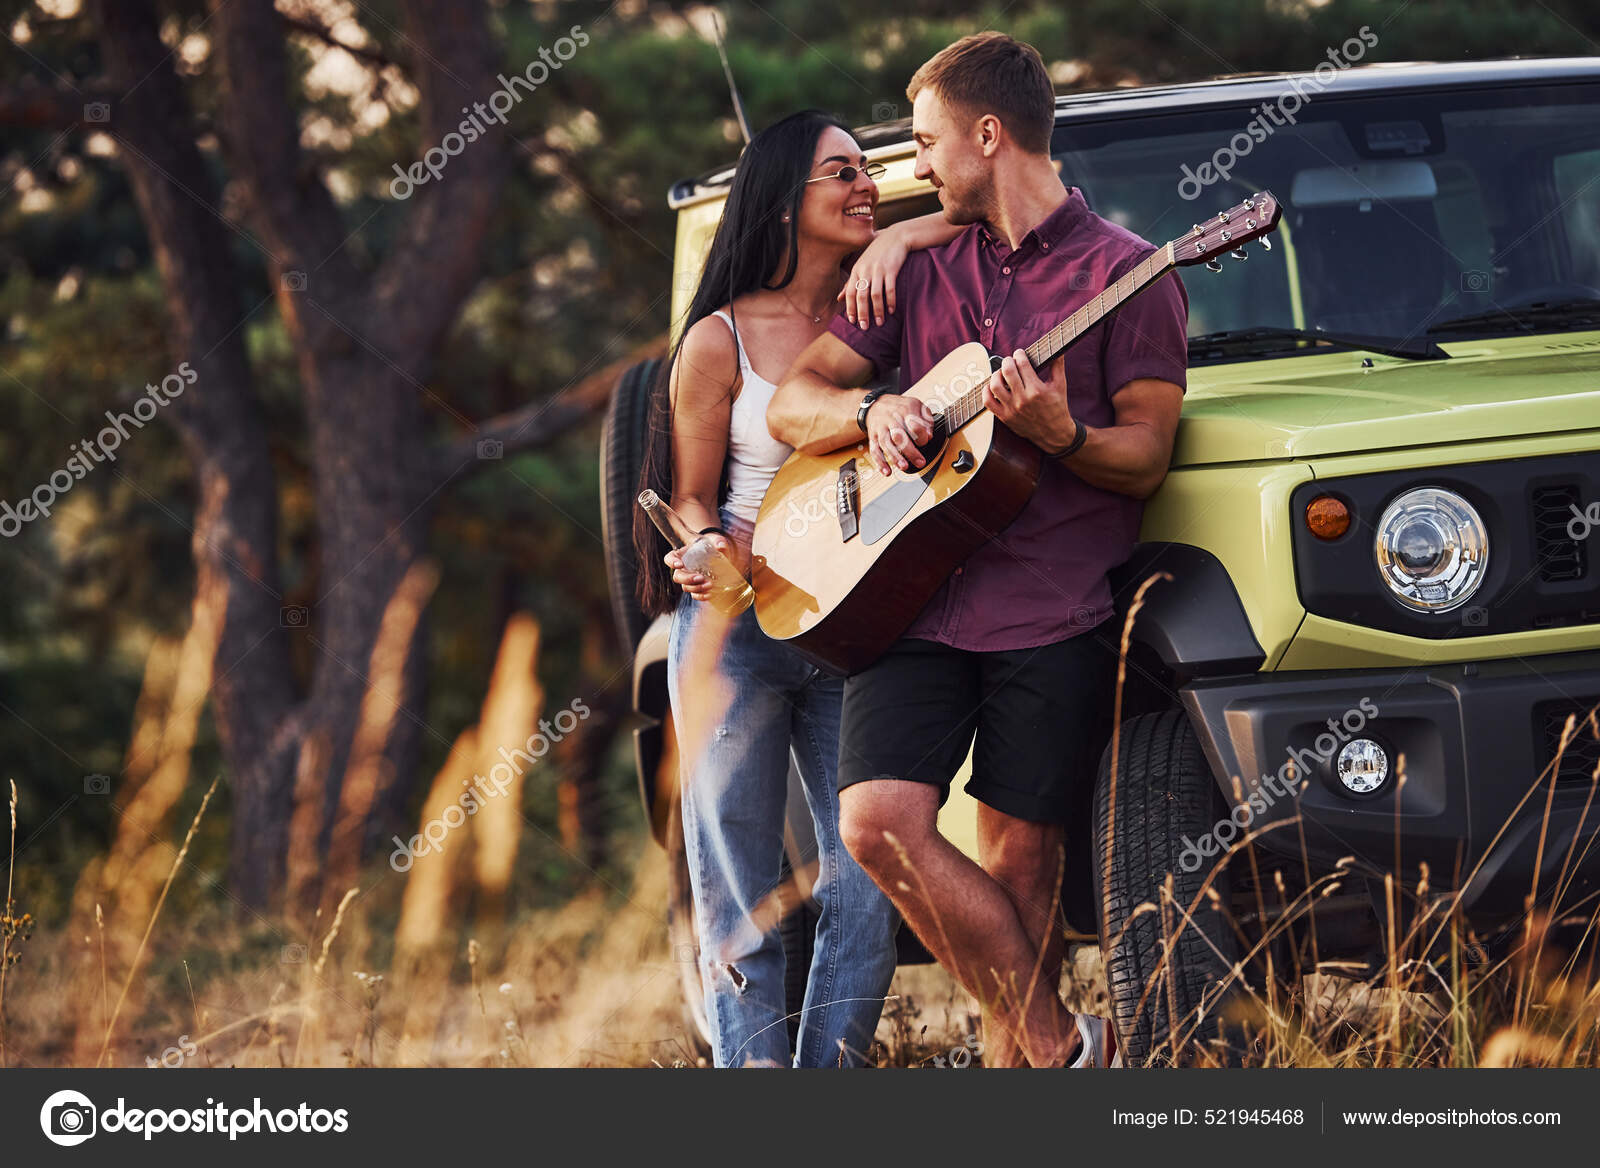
[[1041, 718]]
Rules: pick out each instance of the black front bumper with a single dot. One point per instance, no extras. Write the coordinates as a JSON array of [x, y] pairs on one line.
[[1472, 741]]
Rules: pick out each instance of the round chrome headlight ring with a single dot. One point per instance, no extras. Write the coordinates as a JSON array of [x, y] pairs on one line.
[[1432, 549]]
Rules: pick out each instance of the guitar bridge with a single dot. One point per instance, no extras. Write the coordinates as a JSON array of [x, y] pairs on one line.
[[847, 502]]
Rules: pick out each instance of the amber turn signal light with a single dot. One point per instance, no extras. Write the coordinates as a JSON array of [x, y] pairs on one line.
[[1327, 517]]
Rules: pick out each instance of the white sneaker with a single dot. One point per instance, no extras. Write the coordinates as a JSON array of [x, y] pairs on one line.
[[1099, 1043]]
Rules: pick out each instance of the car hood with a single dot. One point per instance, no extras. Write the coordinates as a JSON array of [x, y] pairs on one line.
[[1272, 409]]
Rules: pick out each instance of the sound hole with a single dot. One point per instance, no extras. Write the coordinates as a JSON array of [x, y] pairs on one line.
[[931, 448]]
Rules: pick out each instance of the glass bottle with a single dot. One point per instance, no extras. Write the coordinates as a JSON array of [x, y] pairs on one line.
[[730, 592]]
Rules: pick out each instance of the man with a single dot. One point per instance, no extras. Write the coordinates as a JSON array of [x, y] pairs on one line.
[[1003, 652]]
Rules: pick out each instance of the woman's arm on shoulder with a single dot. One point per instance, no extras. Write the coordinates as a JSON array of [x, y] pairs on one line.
[[870, 285]]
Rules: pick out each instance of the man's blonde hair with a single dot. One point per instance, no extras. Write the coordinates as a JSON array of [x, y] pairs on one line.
[[991, 73]]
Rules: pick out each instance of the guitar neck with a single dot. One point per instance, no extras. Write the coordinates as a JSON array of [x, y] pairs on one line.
[[1066, 334]]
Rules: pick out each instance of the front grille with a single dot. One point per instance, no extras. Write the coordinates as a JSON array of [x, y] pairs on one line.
[[1583, 752], [1560, 556]]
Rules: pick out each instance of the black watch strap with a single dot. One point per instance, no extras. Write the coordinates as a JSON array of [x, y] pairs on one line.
[[866, 404]]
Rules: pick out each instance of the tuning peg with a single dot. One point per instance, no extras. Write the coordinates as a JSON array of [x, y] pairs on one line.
[[1213, 266], [1238, 253], [1266, 244]]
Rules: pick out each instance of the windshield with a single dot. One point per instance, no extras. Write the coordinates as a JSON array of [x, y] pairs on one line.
[[1400, 212]]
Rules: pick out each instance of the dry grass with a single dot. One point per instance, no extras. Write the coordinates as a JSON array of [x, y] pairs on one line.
[[422, 970]]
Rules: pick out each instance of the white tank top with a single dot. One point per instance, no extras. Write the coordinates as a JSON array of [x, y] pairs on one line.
[[754, 455]]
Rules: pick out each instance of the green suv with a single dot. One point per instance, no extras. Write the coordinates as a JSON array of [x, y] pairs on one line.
[[1356, 721]]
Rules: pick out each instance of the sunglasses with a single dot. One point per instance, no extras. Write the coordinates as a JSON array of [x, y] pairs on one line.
[[847, 174]]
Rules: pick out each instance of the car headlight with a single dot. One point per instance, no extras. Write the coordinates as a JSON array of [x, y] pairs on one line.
[[1432, 549]]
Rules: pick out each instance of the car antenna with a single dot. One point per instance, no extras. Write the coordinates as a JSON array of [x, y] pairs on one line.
[[727, 71]]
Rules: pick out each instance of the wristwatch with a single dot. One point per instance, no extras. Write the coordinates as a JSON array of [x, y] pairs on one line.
[[866, 404]]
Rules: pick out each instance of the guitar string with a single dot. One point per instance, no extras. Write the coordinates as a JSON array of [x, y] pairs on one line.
[[1054, 342]]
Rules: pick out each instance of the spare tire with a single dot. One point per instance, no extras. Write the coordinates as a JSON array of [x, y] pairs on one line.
[[622, 443]]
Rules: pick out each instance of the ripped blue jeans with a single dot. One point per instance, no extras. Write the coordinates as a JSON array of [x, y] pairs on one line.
[[733, 816]]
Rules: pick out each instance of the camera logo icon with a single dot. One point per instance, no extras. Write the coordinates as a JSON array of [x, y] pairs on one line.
[[97, 111], [491, 448], [294, 281], [294, 616], [1475, 618], [1474, 281], [885, 111], [68, 1118], [97, 784], [293, 954]]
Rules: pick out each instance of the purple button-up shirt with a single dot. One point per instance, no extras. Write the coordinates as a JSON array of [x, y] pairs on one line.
[[1043, 578]]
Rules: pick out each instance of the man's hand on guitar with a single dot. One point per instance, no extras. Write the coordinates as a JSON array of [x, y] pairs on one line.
[[1034, 409], [896, 426]]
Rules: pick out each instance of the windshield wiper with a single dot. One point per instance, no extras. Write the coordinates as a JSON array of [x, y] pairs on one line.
[[1525, 318], [1263, 339]]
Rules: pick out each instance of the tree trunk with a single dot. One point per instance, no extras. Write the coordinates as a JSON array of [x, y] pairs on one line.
[[363, 340], [364, 343], [374, 509], [235, 532]]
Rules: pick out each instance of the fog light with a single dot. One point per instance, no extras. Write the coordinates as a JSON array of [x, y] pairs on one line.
[[1363, 766]]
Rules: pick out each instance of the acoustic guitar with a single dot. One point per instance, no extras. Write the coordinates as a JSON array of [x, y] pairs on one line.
[[845, 557]]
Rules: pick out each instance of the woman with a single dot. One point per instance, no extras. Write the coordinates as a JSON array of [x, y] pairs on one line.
[[800, 207]]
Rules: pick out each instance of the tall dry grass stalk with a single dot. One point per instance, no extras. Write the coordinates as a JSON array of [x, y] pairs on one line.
[[311, 982], [146, 794], [1526, 997], [172, 873], [8, 915]]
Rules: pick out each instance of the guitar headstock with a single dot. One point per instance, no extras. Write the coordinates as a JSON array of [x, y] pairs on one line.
[[1229, 231]]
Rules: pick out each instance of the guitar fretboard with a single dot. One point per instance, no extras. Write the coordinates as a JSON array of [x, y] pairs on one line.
[[1055, 342]]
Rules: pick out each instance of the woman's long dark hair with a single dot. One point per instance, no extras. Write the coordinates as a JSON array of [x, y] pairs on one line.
[[750, 241]]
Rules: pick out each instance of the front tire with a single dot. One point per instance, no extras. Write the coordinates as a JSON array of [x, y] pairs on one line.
[[1168, 1005]]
